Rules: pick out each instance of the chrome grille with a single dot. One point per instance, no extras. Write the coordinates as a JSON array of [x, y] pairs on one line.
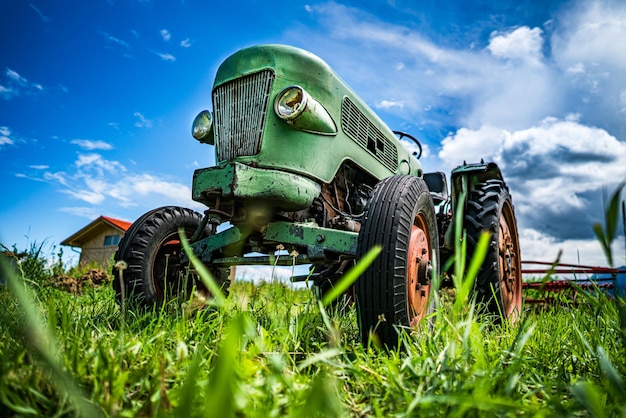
[[240, 106], [362, 131]]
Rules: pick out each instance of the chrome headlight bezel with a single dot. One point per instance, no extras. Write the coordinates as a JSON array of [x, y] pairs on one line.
[[291, 102], [202, 127], [299, 109]]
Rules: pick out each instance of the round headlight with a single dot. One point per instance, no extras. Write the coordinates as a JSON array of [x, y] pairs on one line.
[[202, 125], [291, 102]]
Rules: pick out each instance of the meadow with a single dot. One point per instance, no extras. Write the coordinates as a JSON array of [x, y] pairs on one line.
[[271, 350]]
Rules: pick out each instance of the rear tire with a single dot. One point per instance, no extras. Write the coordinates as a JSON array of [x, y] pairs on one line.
[[498, 285], [396, 288], [152, 250]]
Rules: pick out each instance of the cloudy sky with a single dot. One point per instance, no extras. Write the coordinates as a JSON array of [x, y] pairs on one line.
[[97, 99]]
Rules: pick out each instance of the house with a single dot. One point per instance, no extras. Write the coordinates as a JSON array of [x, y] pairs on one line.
[[98, 241]]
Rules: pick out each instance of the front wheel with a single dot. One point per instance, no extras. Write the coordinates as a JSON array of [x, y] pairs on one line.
[[152, 250], [396, 288], [498, 285]]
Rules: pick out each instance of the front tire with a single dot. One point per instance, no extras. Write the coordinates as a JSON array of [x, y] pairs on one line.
[[396, 288], [498, 285], [152, 250]]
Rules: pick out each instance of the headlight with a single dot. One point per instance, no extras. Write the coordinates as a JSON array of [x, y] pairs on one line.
[[297, 108], [291, 102], [202, 127]]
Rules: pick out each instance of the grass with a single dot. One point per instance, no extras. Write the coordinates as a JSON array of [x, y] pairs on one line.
[[271, 351]]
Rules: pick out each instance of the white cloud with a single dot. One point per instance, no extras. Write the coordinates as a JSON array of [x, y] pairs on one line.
[[572, 148], [388, 104], [85, 195], [166, 56], [496, 106], [98, 181], [95, 163], [412, 148], [587, 47], [16, 85], [15, 76], [142, 122], [146, 184], [59, 177], [591, 32], [40, 167], [557, 172], [165, 34], [5, 136], [474, 87], [537, 246], [5, 91], [82, 211], [116, 42], [185, 43], [92, 145], [522, 44], [471, 145]]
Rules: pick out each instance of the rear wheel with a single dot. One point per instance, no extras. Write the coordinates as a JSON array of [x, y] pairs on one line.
[[499, 280], [396, 288], [152, 250]]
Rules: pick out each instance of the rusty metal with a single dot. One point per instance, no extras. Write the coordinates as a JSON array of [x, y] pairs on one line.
[[420, 270], [604, 279]]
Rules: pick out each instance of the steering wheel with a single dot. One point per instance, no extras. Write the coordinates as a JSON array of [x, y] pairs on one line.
[[412, 138]]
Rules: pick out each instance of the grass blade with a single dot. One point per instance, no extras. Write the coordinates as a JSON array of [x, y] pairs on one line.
[[44, 342], [205, 275], [590, 397], [351, 276]]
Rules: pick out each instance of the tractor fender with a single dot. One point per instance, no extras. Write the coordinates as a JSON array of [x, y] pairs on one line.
[[463, 179]]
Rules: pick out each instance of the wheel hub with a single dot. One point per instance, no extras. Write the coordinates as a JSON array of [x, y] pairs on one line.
[[510, 281], [424, 271], [419, 274]]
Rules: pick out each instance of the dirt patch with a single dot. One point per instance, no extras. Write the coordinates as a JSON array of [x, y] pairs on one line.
[[93, 277]]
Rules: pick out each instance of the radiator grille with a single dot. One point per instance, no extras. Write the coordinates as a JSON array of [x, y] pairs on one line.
[[240, 106], [359, 128]]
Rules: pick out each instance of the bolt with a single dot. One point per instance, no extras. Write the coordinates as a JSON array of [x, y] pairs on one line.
[[320, 238]]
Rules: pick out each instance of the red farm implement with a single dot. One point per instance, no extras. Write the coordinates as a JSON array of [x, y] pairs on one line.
[[569, 279]]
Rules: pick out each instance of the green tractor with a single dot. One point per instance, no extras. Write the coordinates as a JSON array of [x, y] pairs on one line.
[[306, 168]]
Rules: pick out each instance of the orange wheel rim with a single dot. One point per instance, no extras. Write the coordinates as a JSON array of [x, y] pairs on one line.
[[510, 265], [419, 259]]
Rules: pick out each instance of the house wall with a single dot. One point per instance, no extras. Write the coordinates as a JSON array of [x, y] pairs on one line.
[[95, 251]]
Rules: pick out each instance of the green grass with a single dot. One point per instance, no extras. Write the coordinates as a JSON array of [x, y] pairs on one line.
[[271, 351]]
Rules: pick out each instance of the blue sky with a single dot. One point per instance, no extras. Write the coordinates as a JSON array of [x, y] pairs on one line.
[[97, 99]]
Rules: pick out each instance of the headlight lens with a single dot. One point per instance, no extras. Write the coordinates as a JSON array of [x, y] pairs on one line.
[[202, 126], [291, 102]]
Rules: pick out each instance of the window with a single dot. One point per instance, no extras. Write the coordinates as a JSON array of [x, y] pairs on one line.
[[111, 240]]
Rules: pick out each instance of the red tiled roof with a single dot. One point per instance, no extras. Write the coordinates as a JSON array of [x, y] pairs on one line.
[[117, 222], [86, 233]]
